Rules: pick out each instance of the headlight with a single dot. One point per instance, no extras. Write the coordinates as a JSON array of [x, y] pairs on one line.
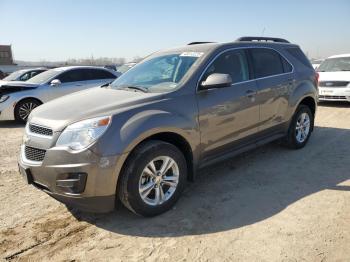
[[3, 98], [82, 134]]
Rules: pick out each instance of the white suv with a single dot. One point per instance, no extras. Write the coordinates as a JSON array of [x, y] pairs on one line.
[[334, 78]]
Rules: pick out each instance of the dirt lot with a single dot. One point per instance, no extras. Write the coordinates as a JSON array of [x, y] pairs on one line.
[[271, 204]]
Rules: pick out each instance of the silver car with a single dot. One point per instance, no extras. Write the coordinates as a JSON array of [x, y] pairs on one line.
[[22, 75], [18, 99]]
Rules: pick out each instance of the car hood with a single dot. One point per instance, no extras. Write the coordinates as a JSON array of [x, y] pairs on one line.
[[15, 86], [59, 113], [3, 82], [334, 76]]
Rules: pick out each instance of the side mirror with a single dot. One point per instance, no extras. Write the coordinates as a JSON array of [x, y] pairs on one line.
[[55, 82], [216, 81]]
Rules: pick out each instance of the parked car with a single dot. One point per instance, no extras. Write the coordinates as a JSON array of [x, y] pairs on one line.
[[334, 81], [18, 99], [114, 68], [124, 68], [22, 75], [316, 63], [142, 137]]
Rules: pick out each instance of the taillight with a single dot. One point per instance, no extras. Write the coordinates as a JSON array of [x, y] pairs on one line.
[[317, 76]]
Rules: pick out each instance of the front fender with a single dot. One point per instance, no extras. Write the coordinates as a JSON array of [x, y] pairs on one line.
[[131, 130]]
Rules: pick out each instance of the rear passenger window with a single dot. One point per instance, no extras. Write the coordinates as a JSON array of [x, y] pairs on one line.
[[72, 76], [286, 66], [266, 62], [233, 63], [300, 56], [93, 74]]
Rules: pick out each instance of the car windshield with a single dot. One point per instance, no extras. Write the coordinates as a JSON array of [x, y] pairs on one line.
[[335, 64], [43, 77], [122, 69], [13, 76], [159, 74]]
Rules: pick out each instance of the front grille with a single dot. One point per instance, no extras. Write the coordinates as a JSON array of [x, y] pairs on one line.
[[332, 84], [34, 154], [40, 130], [333, 97]]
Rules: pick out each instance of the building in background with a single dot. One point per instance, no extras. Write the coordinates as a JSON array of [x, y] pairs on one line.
[[6, 57], [7, 64]]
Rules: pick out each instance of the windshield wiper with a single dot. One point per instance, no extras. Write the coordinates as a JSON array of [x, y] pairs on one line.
[[139, 88], [106, 85]]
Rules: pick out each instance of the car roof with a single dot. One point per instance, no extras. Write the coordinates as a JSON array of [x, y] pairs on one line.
[[209, 46], [337, 56], [32, 69], [65, 68]]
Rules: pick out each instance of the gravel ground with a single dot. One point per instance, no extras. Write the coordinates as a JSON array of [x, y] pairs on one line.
[[270, 204]]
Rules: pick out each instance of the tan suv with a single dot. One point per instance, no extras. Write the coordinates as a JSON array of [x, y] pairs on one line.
[[142, 137]]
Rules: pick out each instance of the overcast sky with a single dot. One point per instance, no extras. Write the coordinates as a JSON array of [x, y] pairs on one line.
[[62, 29]]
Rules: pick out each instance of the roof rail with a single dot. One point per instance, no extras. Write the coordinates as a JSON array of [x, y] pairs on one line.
[[198, 43], [261, 39]]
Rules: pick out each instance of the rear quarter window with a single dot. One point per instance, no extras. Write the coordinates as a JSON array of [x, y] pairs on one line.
[[94, 74], [300, 56]]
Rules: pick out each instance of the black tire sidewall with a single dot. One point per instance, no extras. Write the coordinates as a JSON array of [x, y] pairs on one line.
[[19, 104], [140, 159]]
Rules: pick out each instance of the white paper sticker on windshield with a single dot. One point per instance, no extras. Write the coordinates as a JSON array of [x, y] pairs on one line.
[[193, 54]]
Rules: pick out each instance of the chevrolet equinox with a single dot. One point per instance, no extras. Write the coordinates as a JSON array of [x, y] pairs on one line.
[[140, 138]]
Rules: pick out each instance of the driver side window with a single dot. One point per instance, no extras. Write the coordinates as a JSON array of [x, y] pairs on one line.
[[233, 63]]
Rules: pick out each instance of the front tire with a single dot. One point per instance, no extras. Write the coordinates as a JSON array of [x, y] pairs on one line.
[[24, 108], [300, 128], [153, 178]]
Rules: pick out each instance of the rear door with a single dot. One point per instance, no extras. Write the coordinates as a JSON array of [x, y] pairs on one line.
[[230, 114], [98, 77], [274, 78]]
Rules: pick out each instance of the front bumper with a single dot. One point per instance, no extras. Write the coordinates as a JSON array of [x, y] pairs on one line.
[[334, 94], [59, 175]]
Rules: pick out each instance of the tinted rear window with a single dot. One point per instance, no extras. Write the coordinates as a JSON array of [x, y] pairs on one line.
[[93, 74], [300, 56], [266, 62], [73, 75]]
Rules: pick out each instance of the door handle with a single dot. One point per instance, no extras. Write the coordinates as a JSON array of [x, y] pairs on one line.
[[250, 93]]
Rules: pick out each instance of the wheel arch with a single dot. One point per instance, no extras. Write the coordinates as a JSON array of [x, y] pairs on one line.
[[309, 102], [173, 138], [24, 99]]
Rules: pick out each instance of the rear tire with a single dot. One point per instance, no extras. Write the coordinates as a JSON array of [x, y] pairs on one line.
[[153, 178], [300, 128], [24, 108]]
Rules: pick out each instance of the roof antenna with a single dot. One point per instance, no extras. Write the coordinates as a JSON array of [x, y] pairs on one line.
[[263, 31]]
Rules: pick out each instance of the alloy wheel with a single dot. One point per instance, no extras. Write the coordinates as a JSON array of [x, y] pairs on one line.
[[159, 180], [25, 110], [302, 127]]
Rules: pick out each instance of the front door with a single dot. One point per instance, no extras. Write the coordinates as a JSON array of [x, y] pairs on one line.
[[71, 81], [229, 114]]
